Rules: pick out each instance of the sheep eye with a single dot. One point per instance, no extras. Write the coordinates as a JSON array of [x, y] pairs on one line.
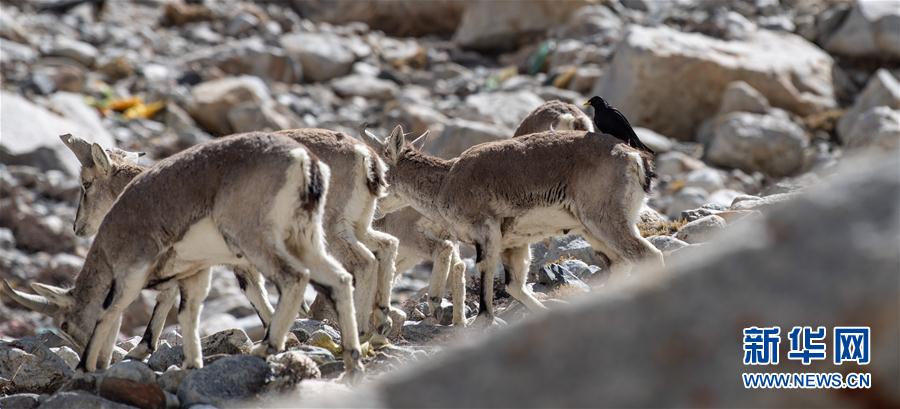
[[64, 326]]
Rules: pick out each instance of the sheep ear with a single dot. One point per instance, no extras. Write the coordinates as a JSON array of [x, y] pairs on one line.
[[419, 143], [101, 158], [57, 296], [394, 143]]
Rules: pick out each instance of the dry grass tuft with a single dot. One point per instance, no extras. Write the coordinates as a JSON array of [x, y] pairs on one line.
[[660, 228]]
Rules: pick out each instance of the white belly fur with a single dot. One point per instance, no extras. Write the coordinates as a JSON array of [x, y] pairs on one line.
[[204, 244], [538, 224]]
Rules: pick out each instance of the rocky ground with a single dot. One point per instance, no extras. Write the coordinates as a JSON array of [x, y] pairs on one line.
[[747, 104]]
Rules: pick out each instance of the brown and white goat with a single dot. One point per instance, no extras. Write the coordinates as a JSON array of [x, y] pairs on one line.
[[502, 196], [254, 200]]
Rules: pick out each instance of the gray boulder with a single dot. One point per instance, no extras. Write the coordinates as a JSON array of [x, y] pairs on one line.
[[251, 57], [237, 104], [505, 108], [870, 31], [31, 136], [686, 199], [20, 401], [808, 274], [32, 367], [225, 381], [492, 25], [323, 56], [659, 143], [789, 71], [80, 400], [398, 17], [461, 134], [675, 163], [131, 370], [364, 86], [882, 90], [878, 127], [770, 144]]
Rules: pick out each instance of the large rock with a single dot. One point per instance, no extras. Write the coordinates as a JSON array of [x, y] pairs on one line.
[[31, 135], [365, 86], [788, 269], [323, 56], [20, 401], [251, 57], [32, 367], [770, 144], [791, 72], [398, 17], [494, 25], [460, 134], [504, 108], [225, 381], [883, 90], [879, 126], [80, 400], [871, 30], [236, 104]]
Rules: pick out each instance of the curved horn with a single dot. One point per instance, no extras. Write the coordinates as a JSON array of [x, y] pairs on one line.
[[419, 143], [80, 147], [368, 137], [31, 301]]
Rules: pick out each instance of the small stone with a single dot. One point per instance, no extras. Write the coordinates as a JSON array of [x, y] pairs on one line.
[[290, 368], [701, 230], [666, 244], [82, 52], [365, 86], [310, 326], [553, 276], [241, 24], [171, 378], [131, 370], [68, 355], [685, 199], [318, 354], [420, 332]]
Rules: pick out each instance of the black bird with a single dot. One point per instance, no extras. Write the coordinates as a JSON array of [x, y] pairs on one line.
[[609, 120]]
